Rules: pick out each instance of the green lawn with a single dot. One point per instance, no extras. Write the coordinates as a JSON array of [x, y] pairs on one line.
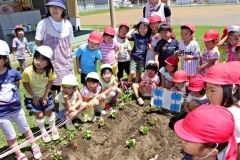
[[200, 30]]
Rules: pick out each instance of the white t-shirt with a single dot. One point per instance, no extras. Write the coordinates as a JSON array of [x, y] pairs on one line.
[[73, 100], [191, 97], [64, 27]]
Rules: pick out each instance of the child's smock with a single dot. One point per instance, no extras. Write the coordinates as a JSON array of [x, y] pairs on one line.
[[190, 66], [168, 78], [109, 84], [125, 48], [88, 58], [148, 88], [85, 92], [10, 101], [109, 55], [37, 82], [58, 36], [208, 55], [20, 45]]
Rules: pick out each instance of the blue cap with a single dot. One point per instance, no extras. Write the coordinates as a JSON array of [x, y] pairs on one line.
[[58, 3]]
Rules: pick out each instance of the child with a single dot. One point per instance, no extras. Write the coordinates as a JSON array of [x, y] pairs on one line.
[[232, 39], [168, 71], [189, 50], [124, 50], [109, 49], [167, 46], [237, 52], [154, 22], [88, 54], [149, 81], [69, 99], [138, 54], [19, 46], [211, 53], [180, 79], [109, 85], [197, 94], [219, 82], [10, 106], [205, 133], [91, 98], [37, 81]]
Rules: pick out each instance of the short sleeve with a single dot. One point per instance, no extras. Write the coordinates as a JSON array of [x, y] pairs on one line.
[[157, 80], [167, 11], [189, 98], [162, 70], [25, 75], [156, 48], [85, 92], [71, 34], [17, 75], [132, 37], [215, 55], [51, 76], [60, 98], [40, 30], [14, 43], [196, 51], [99, 55], [79, 52]]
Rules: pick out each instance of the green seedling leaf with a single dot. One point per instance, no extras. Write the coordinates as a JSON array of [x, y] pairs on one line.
[[152, 121], [144, 130], [113, 114], [87, 134], [131, 143]]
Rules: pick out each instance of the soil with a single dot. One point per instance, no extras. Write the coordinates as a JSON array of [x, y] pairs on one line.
[[109, 141]]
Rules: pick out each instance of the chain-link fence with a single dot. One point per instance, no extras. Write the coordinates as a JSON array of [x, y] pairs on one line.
[[86, 5]]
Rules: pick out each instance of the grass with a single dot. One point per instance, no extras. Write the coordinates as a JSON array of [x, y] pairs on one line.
[[200, 30]]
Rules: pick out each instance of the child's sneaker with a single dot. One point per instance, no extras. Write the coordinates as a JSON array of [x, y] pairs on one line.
[[140, 101], [36, 151], [70, 126], [55, 135], [45, 137]]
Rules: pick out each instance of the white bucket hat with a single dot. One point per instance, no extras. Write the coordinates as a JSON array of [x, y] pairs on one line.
[[45, 51], [69, 80], [233, 28], [106, 66], [4, 48], [93, 75]]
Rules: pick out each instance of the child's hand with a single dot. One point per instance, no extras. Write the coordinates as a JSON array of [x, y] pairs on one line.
[[44, 100], [36, 100], [79, 71], [65, 96]]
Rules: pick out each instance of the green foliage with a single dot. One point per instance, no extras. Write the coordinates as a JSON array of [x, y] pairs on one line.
[[87, 134], [56, 155], [131, 143], [113, 114], [151, 122], [144, 130]]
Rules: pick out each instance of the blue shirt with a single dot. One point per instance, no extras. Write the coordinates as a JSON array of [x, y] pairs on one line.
[[164, 49], [10, 101], [88, 58], [139, 50]]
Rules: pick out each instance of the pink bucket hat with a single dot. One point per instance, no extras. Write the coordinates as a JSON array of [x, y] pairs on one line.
[[215, 124]]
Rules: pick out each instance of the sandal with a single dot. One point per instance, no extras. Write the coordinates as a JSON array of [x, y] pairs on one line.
[[36, 151], [22, 157]]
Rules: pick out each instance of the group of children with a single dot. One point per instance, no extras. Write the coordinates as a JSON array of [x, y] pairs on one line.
[[152, 62]]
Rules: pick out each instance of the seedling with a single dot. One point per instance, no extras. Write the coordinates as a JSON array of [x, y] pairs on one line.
[[113, 114], [87, 134], [131, 143], [152, 121], [56, 155], [144, 130], [121, 106]]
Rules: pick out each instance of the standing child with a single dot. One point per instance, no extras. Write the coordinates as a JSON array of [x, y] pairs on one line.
[[91, 98], [109, 49], [197, 95], [109, 85], [88, 54], [19, 46], [211, 53], [168, 72], [125, 49], [189, 50], [37, 81], [138, 55], [149, 81], [10, 106], [69, 99], [167, 46], [154, 22]]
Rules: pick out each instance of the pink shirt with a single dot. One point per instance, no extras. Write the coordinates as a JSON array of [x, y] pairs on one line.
[[108, 51], [208, 55], [147, 90], [85, 92], [231, 54]]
